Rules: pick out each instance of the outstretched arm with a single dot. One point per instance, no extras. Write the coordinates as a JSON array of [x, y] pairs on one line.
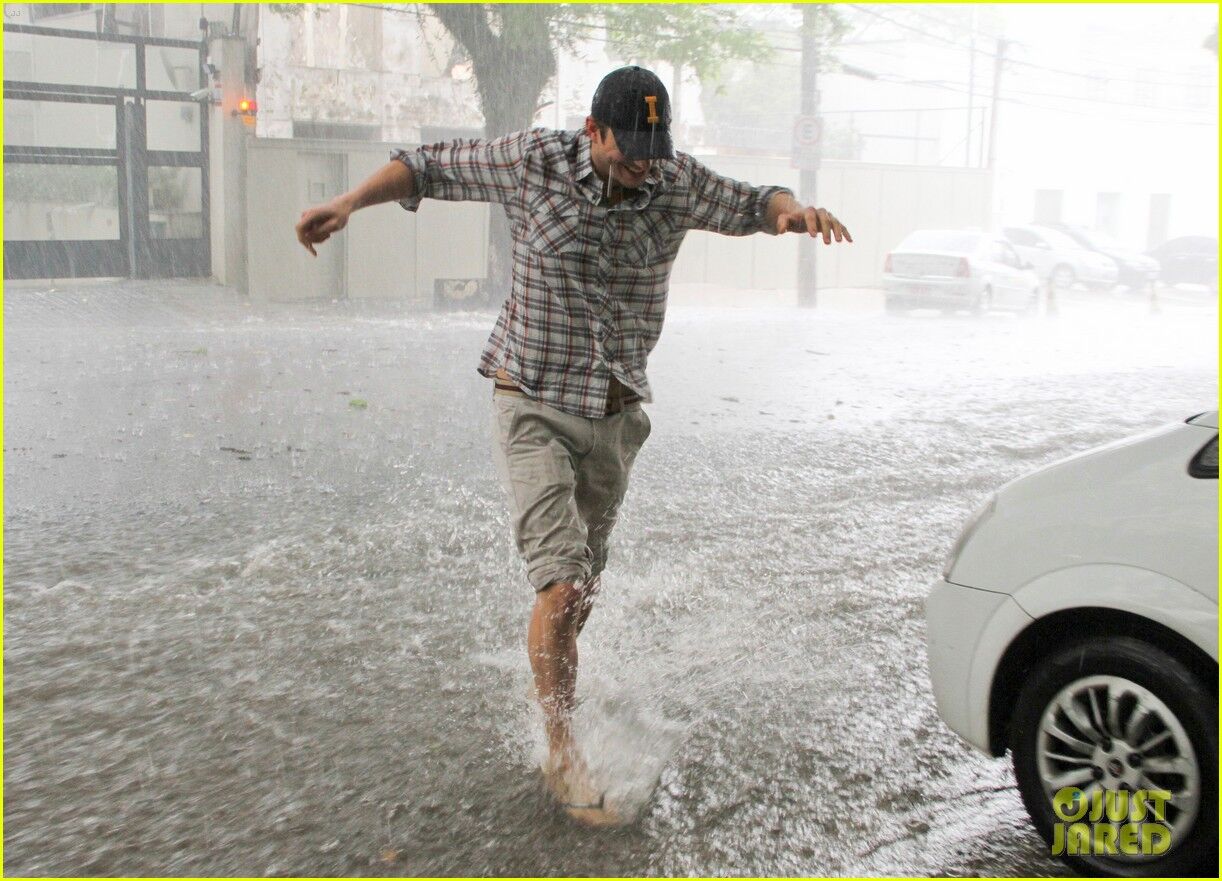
[[736, 208], [786, 214], [460, 170], [391, 182]]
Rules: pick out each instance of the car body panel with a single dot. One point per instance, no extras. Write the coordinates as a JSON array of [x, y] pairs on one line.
[[1136, 270], [1047, 249], [1122, 527], [1126, 589], [1132, 503], [954, 292], [1191, 259], [964, 629], [925, 274]]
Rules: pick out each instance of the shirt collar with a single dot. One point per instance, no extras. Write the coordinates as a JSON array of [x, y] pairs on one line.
[[584, 167], [589, 182]]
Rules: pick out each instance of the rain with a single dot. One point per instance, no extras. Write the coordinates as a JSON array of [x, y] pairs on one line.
[[263, 612]]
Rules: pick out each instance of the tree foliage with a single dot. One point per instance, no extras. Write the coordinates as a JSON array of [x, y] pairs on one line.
[[512, 46], [702, 38]]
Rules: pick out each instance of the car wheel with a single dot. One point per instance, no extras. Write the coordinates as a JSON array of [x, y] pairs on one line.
[[1062, 277], [1113, 714]]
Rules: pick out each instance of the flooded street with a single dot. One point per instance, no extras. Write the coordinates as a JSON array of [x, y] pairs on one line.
[[263, 616]]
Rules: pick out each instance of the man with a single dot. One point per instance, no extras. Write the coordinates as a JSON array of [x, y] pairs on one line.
[[597, 217]]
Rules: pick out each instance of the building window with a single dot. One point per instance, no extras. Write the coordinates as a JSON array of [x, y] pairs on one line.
[[1160, 219], [39, 11], [1107, 213], [1048, 206]]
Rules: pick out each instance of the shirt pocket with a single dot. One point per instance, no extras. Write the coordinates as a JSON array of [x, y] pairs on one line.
[[653, 235], [555, 225]]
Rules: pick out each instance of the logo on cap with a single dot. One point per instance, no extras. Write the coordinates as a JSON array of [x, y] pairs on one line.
[[652, 101]]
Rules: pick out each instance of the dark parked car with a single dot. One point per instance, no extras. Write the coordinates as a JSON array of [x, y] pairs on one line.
[[1137, 271], [1193, 259]]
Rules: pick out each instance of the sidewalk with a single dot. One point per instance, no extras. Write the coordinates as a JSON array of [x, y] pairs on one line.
[[168, 302], [177, 302]]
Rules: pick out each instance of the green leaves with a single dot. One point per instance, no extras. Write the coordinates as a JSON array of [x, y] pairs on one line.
[[703, 38]]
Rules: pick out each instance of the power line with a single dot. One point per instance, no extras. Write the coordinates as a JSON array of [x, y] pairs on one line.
[[931, 84], [1030, 64], [994, 37], [961, 88], [595, 26]]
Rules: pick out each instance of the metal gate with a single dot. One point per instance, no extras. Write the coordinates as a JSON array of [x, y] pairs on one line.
[[105, 179]]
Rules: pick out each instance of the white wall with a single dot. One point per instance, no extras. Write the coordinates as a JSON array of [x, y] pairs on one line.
[[388, 253], [385, 253]]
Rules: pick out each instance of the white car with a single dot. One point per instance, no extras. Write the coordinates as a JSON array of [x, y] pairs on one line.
[[1076, 625], [958, 269], [1059, 260]]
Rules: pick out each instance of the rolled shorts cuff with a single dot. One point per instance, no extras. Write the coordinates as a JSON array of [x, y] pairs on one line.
[[546, 572]]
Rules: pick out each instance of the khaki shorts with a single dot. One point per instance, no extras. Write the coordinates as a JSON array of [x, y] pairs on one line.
[[566, 476]]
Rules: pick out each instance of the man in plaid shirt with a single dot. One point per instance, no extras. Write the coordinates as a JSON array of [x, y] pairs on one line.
[[597, 217]]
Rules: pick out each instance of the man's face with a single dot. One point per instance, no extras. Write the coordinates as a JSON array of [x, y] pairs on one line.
[[608, 160]]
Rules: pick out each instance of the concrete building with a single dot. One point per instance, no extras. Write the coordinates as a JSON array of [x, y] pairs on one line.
[[347, 72]]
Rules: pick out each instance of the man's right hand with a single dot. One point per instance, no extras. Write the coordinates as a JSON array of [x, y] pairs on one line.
[[317, 224]]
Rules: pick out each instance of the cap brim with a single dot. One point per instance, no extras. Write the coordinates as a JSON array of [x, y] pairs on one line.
[[654, 143]]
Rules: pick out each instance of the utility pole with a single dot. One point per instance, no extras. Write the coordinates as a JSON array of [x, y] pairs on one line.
[[971, 94], [807, 187], [999, 62]]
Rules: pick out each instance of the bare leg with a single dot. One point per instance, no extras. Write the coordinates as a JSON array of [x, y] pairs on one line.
[[552, 645]]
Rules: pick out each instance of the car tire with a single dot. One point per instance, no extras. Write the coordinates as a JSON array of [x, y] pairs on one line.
[[1062, 277], [1177, 693]]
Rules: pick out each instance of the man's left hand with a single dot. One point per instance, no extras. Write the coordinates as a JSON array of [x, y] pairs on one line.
[[816, 221]]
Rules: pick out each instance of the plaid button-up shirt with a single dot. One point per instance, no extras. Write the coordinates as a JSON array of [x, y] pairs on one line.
[[589, 279]]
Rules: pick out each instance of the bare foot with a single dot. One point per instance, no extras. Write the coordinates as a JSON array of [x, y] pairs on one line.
[[568, 779]]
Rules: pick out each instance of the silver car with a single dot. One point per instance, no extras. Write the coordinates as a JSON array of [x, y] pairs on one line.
[[958, 269], [1059, 260]]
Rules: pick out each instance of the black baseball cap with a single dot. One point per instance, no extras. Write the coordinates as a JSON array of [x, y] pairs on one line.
[[635, 104]]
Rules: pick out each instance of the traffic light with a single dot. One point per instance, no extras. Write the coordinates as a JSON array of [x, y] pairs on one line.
[[247, 108]]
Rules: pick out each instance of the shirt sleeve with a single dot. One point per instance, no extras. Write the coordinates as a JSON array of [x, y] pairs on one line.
[[724, 205], [466, 170]]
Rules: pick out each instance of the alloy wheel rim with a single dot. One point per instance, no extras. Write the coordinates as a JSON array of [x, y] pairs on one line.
[[1106, 732]]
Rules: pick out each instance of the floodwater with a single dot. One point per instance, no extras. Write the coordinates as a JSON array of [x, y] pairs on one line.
[[263, 616]]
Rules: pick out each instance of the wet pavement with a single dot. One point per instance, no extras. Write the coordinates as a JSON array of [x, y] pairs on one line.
[[263, 616]]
